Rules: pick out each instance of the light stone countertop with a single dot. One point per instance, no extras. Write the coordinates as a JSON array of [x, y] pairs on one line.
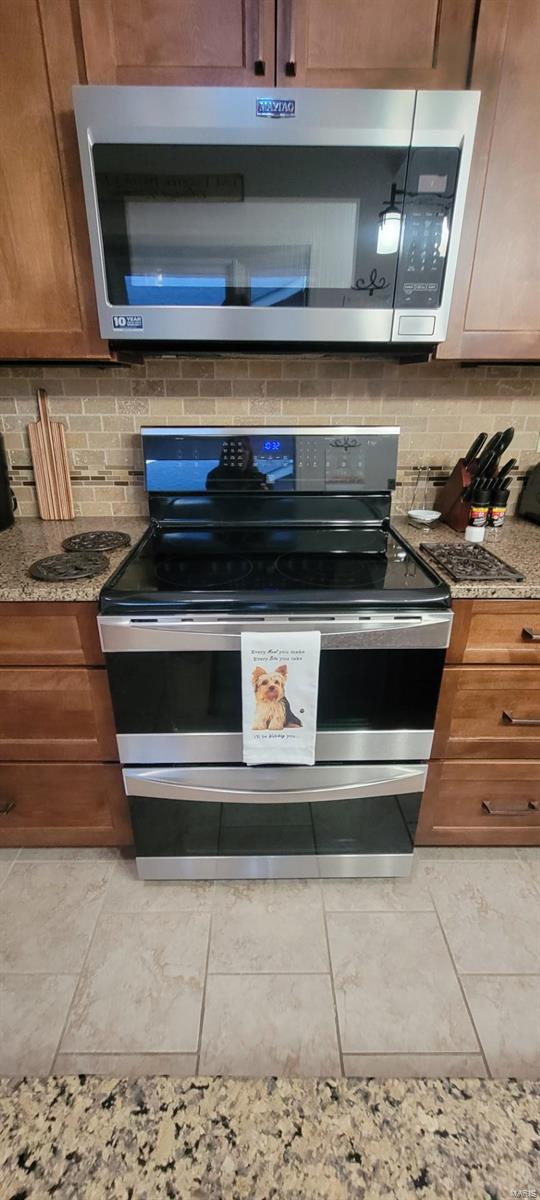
[[30, 538], [333, 1139], [517, 544]]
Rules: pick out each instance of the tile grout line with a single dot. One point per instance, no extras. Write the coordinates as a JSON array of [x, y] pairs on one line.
[[81, 970], [461, 988], [198, 1050], [332, 984]]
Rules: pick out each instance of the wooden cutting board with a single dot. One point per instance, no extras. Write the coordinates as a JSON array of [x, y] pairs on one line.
[[51, 465]]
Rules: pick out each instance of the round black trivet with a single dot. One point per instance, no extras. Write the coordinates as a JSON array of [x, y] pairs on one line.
[[97, 539], [59, 568]]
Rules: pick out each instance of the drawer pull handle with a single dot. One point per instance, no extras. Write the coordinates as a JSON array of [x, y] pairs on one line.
[[7, 808], [510, 720], [532, 806], [529, 635]]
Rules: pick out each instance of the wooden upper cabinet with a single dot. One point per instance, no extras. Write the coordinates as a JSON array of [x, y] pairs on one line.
[[374, 43], [496, 306], [212, 42], [47, 306]]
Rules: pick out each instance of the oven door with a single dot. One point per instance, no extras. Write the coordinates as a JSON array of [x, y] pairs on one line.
[[176, 689], [274, 822]]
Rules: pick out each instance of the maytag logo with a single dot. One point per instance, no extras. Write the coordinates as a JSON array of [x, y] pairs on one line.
[[267, 106], [128, 322]]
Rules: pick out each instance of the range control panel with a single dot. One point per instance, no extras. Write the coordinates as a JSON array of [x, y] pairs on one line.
[[427, 216], [352, 459]]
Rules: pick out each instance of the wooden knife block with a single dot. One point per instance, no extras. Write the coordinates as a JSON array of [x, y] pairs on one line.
[[449, 500]]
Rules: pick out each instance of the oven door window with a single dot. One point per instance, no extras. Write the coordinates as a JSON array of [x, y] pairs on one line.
[[182, 828], [200, 691], [264, 227]]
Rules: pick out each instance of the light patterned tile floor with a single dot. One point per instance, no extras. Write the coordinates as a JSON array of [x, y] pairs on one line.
[[437, 974]]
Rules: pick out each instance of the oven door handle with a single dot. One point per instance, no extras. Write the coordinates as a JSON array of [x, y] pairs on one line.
[[126, 634], [172, 784]]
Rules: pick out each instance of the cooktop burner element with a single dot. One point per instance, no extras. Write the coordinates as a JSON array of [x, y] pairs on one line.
[[198, 573], [332, 570], [462, 561], [58, 568], [97, 539]]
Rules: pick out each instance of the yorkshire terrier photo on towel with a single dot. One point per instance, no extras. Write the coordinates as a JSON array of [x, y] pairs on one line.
[[272, 709]]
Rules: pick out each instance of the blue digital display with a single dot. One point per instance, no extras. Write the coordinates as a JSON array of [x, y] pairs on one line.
[[272, 444]]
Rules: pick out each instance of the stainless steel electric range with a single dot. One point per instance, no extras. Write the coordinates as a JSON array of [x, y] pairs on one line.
[[272, 530]]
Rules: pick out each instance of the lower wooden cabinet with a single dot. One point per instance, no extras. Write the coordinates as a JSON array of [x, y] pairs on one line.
[[56, 634], [481, 804], [63, 804], [56, 713], [488, 712]]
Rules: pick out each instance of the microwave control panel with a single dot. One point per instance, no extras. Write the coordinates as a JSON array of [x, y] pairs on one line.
[[427, 217]]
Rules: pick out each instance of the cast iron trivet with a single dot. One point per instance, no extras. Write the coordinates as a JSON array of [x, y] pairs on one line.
[[58, 568], [462, 561], [97, 539]]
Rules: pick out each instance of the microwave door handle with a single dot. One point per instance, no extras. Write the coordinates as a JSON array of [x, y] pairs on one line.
[[397, 781]]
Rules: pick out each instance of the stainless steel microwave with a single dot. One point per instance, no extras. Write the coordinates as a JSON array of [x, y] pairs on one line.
[[300, 217]]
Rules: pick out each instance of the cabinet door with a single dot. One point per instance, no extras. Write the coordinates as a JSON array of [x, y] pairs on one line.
[[495, 631], [56, 714], [178, 41], [496, 305], [63, 804], [63, 634], [374, 43], [47, 307], [488, 712], [481, 804]]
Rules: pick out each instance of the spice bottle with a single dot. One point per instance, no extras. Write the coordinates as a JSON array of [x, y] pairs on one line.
[[497, 508], [478, 514]]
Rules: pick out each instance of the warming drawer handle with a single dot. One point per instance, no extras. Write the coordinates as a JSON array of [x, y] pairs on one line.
[[511, 720], [7, 808], [531, 806], [529, 635], [187, 791]]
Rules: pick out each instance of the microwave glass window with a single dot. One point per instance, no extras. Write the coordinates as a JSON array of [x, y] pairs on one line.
[[271, 226]]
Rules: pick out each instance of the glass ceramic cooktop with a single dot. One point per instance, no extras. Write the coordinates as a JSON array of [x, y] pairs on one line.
[[189, 572]]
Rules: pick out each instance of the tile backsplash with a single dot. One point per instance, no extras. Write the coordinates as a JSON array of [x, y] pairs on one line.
[[439, 408]]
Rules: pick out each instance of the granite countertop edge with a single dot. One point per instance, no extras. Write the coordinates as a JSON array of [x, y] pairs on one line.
[[31, 538]]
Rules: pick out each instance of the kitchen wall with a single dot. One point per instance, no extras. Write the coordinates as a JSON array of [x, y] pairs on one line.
[[439, 407]]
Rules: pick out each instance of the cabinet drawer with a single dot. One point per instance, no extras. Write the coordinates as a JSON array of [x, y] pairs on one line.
[[49, 635], [481, 804], [488, 712], [63, 804], [492, 631], [55, 714]]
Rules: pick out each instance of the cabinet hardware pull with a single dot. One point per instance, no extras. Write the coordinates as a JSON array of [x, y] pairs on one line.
[[259, 66], [7, 808], [532, 806], [290, 65], [510, 720], [529, 635]]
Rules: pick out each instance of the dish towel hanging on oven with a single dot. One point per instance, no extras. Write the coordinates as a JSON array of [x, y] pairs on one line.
[[280, 683]]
